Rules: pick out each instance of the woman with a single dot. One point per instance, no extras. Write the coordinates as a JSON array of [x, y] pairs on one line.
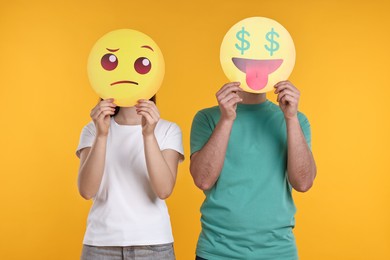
[[128, 166]]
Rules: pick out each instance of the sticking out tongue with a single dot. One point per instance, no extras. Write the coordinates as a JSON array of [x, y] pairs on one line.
[[256, 76], [257, 71]]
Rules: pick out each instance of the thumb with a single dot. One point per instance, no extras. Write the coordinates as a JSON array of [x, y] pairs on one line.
[[143, 120]]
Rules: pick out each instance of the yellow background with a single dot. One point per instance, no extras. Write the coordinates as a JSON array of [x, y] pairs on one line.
[[342, 70]]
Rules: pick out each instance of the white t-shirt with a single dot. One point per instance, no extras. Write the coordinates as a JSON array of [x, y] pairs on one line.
[[125, 210]]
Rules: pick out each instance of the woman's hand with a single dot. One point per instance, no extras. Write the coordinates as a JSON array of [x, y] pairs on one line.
[[100, 115], [150, 116]]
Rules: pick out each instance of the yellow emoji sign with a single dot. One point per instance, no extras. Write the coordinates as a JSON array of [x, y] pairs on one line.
[[258, 52], [126, 65]]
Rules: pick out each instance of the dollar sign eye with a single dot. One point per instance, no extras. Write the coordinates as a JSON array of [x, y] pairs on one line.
[[109, 61], [142, 65]]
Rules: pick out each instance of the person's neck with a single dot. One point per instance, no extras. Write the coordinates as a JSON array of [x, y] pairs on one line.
[[252, 98], [128, 116]]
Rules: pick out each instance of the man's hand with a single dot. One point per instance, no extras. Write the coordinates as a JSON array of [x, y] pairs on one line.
[[227, 99], [288, 98]]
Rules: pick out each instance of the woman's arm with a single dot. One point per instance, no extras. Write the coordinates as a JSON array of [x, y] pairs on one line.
[[161, 165], [92, 159]]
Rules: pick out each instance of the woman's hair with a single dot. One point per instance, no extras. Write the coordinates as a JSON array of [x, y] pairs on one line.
[[117, 108]]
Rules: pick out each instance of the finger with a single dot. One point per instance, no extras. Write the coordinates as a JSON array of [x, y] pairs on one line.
[[144, 100], [235, 85], [154, 114], [149, 105], [287, 92], [282, 82], [107, 102], [100, 109], [229, 88], [283, 101], [106, 111], [147, 116], [287, 99], [227, 92], [234, 101], [280, 87], [103, 114], [229, 97], [285, 85], [284, 96], [103, 103], [96, 113]]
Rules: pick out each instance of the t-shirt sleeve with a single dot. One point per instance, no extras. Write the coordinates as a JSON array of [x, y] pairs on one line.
[[174, 140], [87, 137], [305, 125], [201, 131]]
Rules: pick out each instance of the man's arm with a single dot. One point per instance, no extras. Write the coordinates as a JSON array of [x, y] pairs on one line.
[[301, 166], [206, 164]]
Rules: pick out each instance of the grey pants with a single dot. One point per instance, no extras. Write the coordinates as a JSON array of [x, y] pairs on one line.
[[153, 252]]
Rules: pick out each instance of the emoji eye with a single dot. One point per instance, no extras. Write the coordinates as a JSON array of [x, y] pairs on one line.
[[109, 61], [142, 65]]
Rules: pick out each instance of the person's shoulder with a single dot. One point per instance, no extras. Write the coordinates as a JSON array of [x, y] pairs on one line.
[[301, 116], [303, 120], [165, 125], [90, 127], [209, 112]]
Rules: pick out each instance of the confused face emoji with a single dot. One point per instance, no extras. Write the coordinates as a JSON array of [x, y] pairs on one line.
[[258, 52], [126, 65]]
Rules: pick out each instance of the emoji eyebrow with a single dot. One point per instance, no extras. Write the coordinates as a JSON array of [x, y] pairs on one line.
[[112, 50], [148, 47]]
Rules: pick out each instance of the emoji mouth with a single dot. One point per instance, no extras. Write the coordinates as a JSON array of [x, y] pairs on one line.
[[257, 71], [124, 81]]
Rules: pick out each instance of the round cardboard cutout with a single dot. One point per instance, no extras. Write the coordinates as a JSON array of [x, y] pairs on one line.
[[258, 52], [126, 65]]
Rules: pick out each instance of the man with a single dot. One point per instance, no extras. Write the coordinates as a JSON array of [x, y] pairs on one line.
[[246, 155]]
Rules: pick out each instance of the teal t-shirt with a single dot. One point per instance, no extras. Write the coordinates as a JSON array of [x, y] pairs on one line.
[[249, 212]]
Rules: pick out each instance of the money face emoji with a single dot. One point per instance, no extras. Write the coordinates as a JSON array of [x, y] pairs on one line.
[[258, 52]]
